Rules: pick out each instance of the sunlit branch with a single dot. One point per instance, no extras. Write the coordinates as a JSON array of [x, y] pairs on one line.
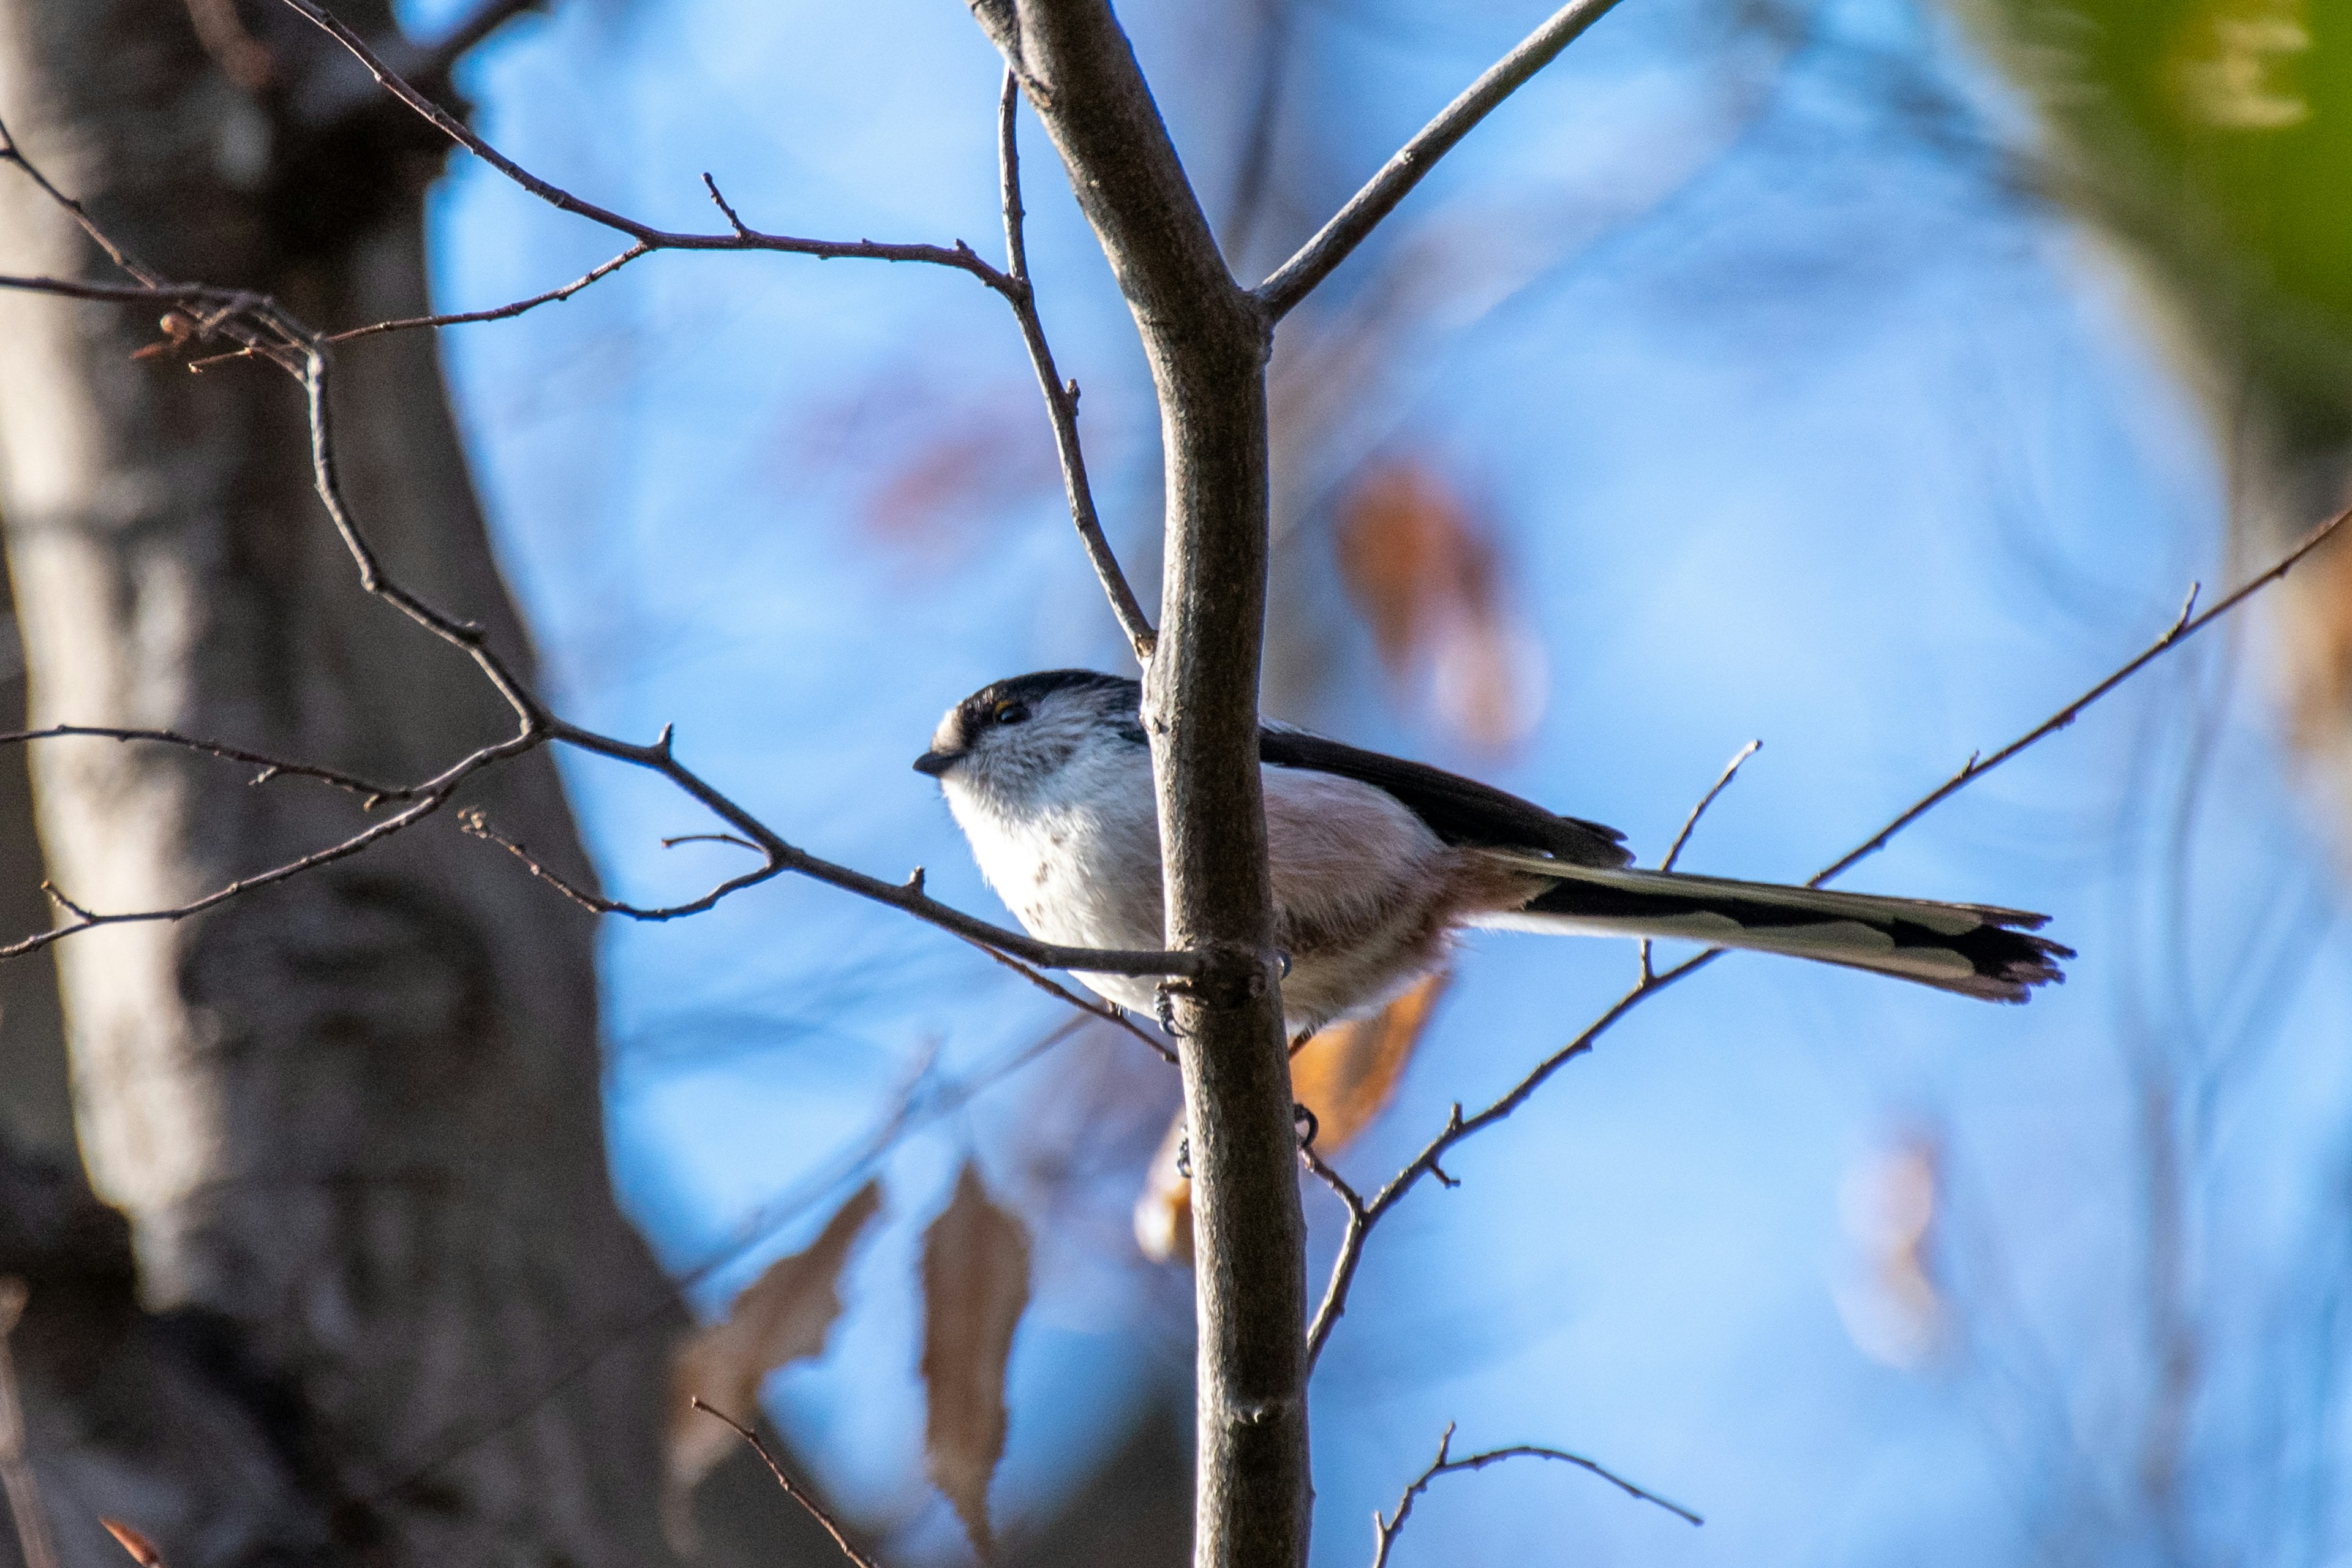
[[1363, 1214], [1353, 223], [1385, 1529], [1061, 397], [1674, 850], [257, 323]]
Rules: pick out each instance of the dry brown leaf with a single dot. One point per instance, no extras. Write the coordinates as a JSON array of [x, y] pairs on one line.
[[784, 1315], [1345, 1074], [975, 1285], [143, 1550], [1422, 567]]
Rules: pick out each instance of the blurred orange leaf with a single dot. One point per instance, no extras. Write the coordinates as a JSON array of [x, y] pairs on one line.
[[975, 1286], [932, 460], [143, 1550], [1892, 1311], [1424, 569], [1345, 1074], [1163, 1214], [782, 1316]]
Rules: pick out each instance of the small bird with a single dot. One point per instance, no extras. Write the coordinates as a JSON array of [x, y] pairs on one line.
[[1377, 861]]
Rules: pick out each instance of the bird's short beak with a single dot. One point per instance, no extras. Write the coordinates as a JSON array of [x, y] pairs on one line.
[[937, 763]]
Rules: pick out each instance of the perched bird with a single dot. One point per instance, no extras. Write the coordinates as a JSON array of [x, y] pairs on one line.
[[1376, 861]]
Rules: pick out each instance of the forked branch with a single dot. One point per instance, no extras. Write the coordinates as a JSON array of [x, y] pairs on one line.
[[1364, 1214], [1386, 1530], [259, 324], [1011, 284]]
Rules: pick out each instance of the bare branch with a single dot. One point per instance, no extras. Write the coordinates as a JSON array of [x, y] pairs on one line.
[[501, 312], [1206, 340], [1013, 286], [816, 1511], [1385, 1531], [258, 322], [1363, 1217], [1106, 1012], [429, 797], [1674, 850], [272, 767], [1061, 397], [2183, 627], [960, 256], [1349, 226]]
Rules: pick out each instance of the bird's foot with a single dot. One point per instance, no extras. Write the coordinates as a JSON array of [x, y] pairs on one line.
[[1163, 997]]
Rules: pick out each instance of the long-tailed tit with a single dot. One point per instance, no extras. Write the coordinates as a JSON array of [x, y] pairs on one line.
[[1376, 862]]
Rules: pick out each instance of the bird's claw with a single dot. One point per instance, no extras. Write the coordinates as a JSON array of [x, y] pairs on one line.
[[1163, 997], [1305, 1121]]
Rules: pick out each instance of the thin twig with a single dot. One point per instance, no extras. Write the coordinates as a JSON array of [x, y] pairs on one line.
[[1349, 226], [1364, 1215], [1061, 397], [258, 322], [960, 256], [272, 767], [1013, 286], [1385, 1531], [1674, 850], [1107, 1012], [17, 1479], [815, 1510], [500, 312], [2184, 626]]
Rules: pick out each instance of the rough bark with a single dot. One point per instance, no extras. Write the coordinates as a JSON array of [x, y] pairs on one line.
[[353, 1120], [1206, 339]]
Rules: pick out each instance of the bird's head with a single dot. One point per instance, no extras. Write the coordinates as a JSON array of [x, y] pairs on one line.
[[1009, 737]]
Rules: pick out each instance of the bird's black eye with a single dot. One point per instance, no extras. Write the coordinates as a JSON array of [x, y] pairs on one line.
[[1010, 713]]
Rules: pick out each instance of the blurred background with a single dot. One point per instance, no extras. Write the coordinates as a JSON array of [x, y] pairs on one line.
[[1748, 377], [1863, 376]]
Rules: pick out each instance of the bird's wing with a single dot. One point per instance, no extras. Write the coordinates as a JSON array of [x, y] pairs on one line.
[[1458, 810]]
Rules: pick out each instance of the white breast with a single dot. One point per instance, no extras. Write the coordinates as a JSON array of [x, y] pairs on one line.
[[1077, 862]]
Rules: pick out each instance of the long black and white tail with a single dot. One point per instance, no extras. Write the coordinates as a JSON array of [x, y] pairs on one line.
[[1973, 949]]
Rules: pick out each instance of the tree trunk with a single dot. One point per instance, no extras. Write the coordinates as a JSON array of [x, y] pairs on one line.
[[352, 1118]]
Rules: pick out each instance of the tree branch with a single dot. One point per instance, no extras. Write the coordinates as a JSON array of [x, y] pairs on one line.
[[2183, 627], [960, 256], [1353, 223], [1206, 340], [1385, 1531], [1061, 398], [816, 1511], [1011, 285], [1674, 850], [257, 323], [1365, 1213]]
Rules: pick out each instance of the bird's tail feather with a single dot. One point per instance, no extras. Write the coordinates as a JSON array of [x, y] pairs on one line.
[[1973, 949]]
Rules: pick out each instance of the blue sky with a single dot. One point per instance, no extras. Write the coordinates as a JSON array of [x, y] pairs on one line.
[[1792, 422]]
